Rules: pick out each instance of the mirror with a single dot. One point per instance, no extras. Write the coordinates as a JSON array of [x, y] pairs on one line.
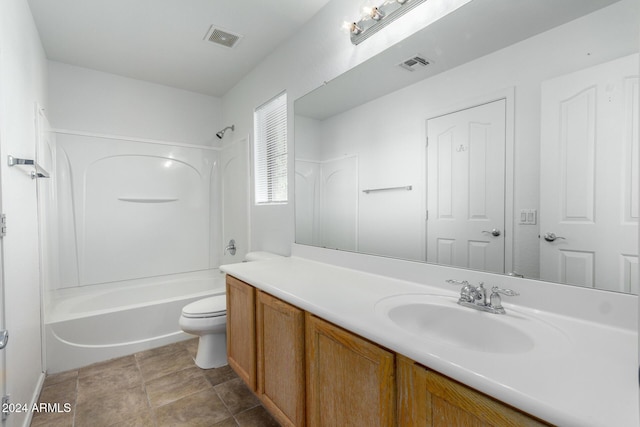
[[503, 138]]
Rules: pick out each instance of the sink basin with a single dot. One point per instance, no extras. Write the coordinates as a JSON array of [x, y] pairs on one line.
[[439, 319]]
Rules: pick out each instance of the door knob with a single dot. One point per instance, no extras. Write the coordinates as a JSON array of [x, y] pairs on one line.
[[495, 232], [551, 237]]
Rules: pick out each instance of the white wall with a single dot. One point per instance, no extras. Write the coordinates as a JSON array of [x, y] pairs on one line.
[[318, 53], [391, 154], [22, 85], [82, 99]]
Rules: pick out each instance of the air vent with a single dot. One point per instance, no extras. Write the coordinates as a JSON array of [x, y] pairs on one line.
[[222, 37], [415, 62]]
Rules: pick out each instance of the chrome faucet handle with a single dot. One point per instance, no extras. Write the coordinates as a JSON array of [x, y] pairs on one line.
[[466, 291], [507, 292], [496, 302]]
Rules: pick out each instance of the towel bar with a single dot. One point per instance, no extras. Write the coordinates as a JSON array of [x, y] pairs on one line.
[[372, 190], [39, 172]]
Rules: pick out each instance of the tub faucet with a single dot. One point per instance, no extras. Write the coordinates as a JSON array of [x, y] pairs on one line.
[[231, 247], [476, 297]]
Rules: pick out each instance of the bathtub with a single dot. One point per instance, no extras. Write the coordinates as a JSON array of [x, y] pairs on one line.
[[90, 324]]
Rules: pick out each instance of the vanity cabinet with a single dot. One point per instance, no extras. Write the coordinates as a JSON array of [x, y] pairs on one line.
[[280, 359], [241, 330], [350, 381], [427, 398], [305, 370]]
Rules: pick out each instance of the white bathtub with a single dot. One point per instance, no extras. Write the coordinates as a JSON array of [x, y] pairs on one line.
[[95, 323]]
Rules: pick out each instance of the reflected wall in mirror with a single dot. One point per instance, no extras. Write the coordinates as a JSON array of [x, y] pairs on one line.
[[531, 166]]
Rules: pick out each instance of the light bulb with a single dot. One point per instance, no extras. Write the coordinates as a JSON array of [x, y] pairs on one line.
[[376, 14], [373, 13]]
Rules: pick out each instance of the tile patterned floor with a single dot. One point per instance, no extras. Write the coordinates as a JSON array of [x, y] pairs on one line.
[[156, 388]]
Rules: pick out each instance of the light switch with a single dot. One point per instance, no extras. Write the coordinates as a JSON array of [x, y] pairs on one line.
[[528, 216]]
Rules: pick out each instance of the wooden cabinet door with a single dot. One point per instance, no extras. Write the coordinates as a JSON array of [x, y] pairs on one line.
[[429, 399], [350, 381], [241, 330], [280, 341], [414, 401]]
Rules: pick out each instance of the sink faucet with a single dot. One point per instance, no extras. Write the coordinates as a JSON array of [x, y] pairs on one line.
[[476, 296]]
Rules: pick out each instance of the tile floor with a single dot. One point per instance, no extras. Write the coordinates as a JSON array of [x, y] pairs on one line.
[[158, 387]]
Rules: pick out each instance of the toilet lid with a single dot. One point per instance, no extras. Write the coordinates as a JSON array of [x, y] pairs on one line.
[[207, 307]]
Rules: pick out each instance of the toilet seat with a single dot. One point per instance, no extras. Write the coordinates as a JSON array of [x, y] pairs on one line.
[[208, 307]]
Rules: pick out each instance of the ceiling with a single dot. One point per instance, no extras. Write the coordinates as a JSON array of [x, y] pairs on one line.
[[162, 41]]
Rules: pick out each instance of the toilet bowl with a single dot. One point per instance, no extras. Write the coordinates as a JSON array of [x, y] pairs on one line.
[[207, 318]]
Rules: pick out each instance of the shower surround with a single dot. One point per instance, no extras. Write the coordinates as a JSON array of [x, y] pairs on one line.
[[132, 232]]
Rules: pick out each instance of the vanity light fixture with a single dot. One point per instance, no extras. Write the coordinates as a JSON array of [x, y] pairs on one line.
[[376, 18]]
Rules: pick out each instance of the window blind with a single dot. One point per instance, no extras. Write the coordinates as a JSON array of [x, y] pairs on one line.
[[270, 151]]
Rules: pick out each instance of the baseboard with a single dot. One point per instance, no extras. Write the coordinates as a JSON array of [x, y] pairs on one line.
[[34, 399]]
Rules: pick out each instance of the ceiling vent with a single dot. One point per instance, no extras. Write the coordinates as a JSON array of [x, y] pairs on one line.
[[415, 62], [222, 37]]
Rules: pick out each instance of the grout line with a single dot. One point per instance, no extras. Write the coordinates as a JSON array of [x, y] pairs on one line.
[[225, 403], [144, 388]]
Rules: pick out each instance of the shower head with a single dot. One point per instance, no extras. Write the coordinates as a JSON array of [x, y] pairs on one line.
[[221, 133]]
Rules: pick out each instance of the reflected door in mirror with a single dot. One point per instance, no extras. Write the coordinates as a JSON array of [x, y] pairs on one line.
[[466, 188], [589, 177]]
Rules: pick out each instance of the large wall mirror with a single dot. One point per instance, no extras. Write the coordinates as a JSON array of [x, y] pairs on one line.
[[502, 138]]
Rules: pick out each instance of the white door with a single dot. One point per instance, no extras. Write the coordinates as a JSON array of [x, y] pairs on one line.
[[589, 177], [4, 335], [466, 188]]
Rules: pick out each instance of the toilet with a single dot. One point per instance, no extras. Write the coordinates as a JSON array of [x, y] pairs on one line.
[[207, 318]]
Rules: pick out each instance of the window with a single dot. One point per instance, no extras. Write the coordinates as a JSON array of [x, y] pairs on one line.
[[270, 151]]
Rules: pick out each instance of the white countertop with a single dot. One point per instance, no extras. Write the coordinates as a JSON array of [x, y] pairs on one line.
[[590, 380]]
